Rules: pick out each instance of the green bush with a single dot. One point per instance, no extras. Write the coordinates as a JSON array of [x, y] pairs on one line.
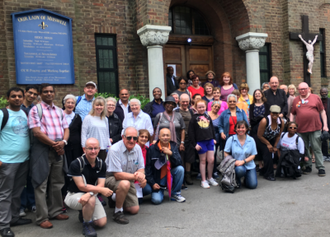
[[3, 102], [144, 100]]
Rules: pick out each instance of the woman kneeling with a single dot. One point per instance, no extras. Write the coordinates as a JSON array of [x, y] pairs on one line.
[[243, 148]]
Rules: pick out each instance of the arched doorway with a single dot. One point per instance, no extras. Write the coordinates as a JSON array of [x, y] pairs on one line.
[[216, 49], [190, 45]]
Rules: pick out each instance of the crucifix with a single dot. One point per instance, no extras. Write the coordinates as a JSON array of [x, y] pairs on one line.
[[309, 40]]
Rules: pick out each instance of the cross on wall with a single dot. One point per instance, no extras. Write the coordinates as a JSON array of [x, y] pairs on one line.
[[306, 35]]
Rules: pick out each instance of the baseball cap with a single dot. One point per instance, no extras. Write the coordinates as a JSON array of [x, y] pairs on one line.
[[91, 83]]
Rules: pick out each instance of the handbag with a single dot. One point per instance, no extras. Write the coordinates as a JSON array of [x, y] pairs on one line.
[[220, 155]]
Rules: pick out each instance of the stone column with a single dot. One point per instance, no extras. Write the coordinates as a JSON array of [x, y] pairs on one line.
[[154, 37], [251, 43]]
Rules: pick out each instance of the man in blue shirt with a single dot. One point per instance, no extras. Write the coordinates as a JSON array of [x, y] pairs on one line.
[[14, 155], [84, 103], [155, 106]]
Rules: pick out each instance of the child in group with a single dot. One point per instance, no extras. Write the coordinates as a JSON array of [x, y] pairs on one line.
[[202, 135]]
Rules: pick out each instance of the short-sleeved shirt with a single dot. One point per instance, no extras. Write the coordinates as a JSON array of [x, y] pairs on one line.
[[83, 107], [52, 123], [290, 143], [307, 113], [194, 91], [91, 174], [240, 152], [14, 138], [164, 123], [119, 159]]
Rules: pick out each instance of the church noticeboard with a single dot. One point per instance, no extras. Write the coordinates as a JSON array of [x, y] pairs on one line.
[[43, 47]]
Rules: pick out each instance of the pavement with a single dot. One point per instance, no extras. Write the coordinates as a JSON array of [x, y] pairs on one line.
[[285, 207]]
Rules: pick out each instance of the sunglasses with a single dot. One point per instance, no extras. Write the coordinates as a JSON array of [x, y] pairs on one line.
[[293, 127], [130, 138]]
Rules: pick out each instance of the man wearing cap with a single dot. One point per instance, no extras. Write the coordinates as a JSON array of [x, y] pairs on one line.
[[276, 96], [84, 102], [308, 107]]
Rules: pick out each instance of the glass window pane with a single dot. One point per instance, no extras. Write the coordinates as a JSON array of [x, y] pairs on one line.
[[263, 62], [182, 20]]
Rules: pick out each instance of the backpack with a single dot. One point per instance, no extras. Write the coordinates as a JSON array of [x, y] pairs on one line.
[[290, 162], [6, 117], [82, 164]]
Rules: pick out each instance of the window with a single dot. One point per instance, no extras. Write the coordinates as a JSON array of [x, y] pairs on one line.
[[265, 63], [187, 21], [322, 53], [106, 59]]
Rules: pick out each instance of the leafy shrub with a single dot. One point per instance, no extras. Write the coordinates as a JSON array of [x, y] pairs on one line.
[[144, 100], [3, 102]]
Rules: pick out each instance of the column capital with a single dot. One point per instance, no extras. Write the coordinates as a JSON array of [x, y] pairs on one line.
[[154, 34], [251, 40]]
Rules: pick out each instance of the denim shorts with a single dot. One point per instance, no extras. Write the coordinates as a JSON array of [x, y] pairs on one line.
[[207, 145]]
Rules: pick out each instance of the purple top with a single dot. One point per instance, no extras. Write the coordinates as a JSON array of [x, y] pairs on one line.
[[225, 93]]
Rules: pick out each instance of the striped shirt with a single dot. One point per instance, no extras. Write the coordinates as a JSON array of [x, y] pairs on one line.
[[51, 123]]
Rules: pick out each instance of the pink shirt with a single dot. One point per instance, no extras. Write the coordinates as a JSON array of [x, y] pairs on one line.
[[51, 123], [223, 106]]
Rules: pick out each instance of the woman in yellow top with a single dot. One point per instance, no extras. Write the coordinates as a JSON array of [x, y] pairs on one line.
[[245, 97]]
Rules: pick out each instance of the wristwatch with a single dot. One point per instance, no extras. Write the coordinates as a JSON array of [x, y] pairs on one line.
[[91, 193], [65, 142], [182, 142]]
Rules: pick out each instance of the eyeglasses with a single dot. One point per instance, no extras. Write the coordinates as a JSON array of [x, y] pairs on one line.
[[93, 148], [111, 105], [293, 127], [130, 138], [232, 101], [303, 89]]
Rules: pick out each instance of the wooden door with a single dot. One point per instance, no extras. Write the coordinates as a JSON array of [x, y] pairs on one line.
[[199, 59], [184, 58]]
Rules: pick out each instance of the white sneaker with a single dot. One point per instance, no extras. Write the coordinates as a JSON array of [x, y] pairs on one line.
[[178, 198], [22, 212], [205, 184], [212, 182]]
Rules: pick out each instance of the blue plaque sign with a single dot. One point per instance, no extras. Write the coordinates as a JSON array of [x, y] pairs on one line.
[[43, 47]]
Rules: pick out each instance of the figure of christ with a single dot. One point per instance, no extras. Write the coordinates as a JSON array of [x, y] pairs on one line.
[[310, 52]]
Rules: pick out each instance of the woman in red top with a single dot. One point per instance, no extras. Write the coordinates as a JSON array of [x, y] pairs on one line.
[[195, 88]]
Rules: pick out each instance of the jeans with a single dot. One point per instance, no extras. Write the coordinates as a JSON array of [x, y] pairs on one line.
[[250, 176], [147, 190], [27, 196], [177, 175]]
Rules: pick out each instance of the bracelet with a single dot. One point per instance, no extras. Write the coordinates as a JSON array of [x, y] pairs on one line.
[[244, 161]]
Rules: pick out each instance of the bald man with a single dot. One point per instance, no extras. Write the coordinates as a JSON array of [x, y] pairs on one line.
[[308, 107], [157, 171], [276, 96], [86, 171]]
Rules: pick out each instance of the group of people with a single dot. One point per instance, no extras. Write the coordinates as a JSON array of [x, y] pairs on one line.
[[95, 148]]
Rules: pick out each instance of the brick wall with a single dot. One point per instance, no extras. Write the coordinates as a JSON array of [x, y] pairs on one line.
[[226, 19]]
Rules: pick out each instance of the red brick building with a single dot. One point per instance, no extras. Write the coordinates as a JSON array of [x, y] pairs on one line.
[[108, 50]]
